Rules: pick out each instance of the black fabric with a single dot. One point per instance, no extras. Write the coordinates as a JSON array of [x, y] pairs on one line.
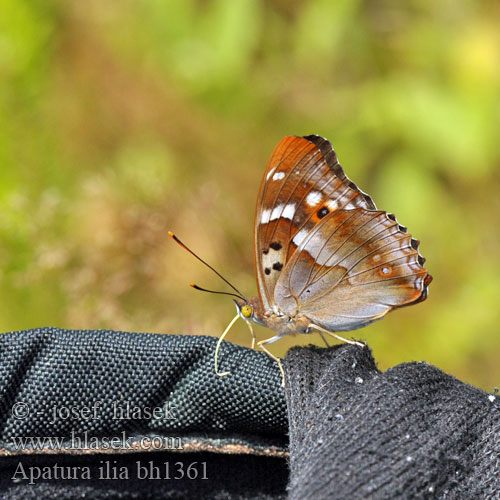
[[411, 432], [51, 371]]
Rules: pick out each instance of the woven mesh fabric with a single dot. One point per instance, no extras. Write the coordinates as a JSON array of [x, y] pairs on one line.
[[50, 369], [118, 376], [412, 432]]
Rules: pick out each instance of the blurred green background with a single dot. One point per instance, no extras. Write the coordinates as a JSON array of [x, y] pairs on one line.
[[122, 120]]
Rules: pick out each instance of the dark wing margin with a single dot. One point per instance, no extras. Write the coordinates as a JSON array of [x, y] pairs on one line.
[[328, 153]]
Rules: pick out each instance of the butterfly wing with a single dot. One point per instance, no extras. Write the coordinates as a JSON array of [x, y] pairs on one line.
[[303, 182], [351, 269]]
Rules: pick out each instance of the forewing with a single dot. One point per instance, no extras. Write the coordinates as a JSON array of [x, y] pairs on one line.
[[351, 269], [302, 184]]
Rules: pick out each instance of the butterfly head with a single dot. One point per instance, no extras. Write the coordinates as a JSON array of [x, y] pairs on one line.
[[249, 309], [245, 310]]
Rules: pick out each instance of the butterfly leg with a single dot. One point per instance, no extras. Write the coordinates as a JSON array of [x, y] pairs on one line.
[[221, 338], [324, 339], [271, 355], [322, 330]]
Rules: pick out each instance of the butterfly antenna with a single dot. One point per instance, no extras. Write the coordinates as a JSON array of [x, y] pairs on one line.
[[240, 295], [196, 287]]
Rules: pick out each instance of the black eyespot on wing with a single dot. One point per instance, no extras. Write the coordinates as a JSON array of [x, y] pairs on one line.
[[322, 212], [265, 251], [275, 245], [277, 266], [267, 270]]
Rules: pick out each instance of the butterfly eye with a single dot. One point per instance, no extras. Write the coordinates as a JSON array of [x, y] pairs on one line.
[[246, 311]]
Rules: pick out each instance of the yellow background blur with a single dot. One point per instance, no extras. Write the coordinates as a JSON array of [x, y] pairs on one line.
[[122, 120]]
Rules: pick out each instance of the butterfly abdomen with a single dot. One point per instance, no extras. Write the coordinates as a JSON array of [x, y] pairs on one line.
[[285, 324]]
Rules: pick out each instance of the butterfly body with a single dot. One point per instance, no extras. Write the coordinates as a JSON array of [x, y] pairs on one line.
[[278, 321], [325, 257]]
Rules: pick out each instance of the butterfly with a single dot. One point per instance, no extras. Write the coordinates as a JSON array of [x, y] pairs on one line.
[[326, 259]]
